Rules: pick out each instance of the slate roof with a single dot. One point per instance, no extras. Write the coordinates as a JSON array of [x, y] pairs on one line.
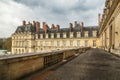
[[31, 28]]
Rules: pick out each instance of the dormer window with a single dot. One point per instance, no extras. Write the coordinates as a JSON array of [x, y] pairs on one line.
[[46, 35], [52, 35], [71, 34], [78, 34], [36, 36], [86, 34], [58, 35], [64, 35], [41, 36], [94, 33]]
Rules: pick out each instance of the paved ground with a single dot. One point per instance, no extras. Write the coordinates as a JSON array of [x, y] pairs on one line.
[[95, 64]]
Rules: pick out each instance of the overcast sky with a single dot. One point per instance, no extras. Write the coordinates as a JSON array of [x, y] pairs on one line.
[[61, 12]]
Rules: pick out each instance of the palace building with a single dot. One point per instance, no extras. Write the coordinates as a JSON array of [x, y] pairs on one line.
[[109, 31], [33, 38]]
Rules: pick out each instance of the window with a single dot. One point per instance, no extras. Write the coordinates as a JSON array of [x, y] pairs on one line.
[[78, 34], [71, 43], [86, 43], [64, 35], [58, 43], [22, 50], [52, 35], [52, 43], [35, 43], [94, 43], [41, 43], [36, 36], [41, 36], [86, 34], [46, 35], [78, 43], [58, 35], [64, 43], [94, 33], [46, 43], [71, 34]]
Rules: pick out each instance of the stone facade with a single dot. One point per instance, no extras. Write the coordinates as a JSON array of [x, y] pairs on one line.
[[33, 38], [109, 32]]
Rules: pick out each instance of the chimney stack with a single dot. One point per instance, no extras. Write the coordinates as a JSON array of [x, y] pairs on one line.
[[37, 27], [43, 24], [81, 26], [53, 26], [99, 19], [57, 27], [75, 24], [34, 23], [23, 22], [45, 28], [71, 27]]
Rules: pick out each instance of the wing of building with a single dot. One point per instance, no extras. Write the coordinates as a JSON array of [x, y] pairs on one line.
[[32, 37], [109, 32]]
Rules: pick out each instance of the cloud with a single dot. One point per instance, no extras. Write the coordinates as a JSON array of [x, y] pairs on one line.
[[60, 12]]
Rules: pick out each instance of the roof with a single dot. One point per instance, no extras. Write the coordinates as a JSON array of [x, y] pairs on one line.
[[31, 28]]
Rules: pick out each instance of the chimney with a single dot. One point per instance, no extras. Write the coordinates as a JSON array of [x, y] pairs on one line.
[[71, 27], [45, 28], [75, 24], [99, 19], [23, 22], [37, 27], [53, 26], [34, 23], [43, 24], [81, 26], [57, 27]]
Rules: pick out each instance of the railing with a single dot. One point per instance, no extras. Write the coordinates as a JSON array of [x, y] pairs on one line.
[[14, 67]]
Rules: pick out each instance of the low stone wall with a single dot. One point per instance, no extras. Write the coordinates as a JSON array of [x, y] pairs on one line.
[[16, 66]]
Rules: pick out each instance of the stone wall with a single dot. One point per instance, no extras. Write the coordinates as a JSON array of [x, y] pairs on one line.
[[16, 66]]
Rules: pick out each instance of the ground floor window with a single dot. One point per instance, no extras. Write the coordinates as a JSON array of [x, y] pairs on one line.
[[86, 43], [94, 43]]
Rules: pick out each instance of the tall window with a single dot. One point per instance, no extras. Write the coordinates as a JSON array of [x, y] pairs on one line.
[[64, 43], [52, 43], [46, 43], [58, 43], [78, 43], [71, 43], [94, 43], [86, 43], [41, 43], [71, 34]]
